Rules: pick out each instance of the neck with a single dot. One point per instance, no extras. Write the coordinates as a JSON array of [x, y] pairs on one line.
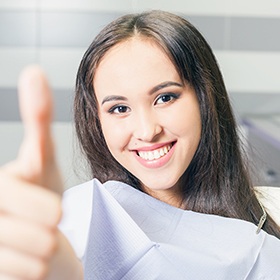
[[171, 197]]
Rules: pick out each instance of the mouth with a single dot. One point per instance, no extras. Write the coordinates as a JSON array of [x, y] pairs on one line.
[[156, 153]]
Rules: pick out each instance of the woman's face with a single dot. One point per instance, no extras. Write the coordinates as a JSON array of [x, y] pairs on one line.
[[150, 119]]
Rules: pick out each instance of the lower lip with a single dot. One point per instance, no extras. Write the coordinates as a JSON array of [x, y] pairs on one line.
[[157, 163]]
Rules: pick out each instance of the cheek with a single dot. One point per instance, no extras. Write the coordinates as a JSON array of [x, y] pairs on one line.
[[186, 123], [115, 136]]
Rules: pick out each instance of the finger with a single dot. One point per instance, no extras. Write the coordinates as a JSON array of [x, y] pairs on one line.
[[35, 104], [16, 264], [35, 97], [28, 201], [36, 161], [9, 277], [27, 237]]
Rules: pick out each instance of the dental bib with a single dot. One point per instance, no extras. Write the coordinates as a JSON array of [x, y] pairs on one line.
[[133, 236]]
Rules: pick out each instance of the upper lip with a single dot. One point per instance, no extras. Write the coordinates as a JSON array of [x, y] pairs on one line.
[[153, 147]]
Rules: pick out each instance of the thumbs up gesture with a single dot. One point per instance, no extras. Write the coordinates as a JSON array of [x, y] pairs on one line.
[[30, 190]]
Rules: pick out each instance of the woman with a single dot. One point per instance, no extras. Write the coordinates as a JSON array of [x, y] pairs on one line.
[[154, 121], [217, 170], [188, 114]]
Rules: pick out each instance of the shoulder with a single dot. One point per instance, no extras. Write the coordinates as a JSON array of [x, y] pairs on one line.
[[77, 210], [270, 198], [78, 193], [77, 204]]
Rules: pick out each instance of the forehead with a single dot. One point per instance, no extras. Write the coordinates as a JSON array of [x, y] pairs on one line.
[[136, 61], [139, 48]]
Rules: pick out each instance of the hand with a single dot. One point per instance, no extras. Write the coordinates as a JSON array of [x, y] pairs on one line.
[[30, 188]]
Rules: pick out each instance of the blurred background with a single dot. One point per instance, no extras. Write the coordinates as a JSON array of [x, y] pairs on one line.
[[244, 34]]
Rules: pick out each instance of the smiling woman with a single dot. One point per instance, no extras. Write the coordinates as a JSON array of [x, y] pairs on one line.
[[152, 111], [171, 193], [152, 125]]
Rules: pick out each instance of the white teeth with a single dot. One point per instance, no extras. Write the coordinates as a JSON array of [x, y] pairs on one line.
[[156, 154]]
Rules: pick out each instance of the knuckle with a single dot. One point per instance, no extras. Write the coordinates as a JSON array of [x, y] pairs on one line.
[[50, 245], [53, 210], [57, 209], [39, 270]]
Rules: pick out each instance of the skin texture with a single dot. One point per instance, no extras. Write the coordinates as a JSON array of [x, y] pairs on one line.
[[31, 246], [146, 107]]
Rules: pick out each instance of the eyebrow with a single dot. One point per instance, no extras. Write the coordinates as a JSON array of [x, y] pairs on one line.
[[153, 90], [113, 98], [164, 85]]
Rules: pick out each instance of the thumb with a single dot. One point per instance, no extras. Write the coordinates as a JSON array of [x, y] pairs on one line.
[[36, 160]]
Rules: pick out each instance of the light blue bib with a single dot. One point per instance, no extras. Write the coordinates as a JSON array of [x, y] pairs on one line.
[[134, 236]]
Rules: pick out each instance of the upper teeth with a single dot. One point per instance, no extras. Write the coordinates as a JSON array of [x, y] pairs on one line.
[[155, 154]]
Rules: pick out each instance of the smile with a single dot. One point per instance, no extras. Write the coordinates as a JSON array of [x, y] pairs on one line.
[[155, 154]]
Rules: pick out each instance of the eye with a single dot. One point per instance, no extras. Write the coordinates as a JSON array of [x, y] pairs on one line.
[[166, 98], [119, 109]]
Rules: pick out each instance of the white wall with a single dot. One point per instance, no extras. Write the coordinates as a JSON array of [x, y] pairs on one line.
[[250, 63]]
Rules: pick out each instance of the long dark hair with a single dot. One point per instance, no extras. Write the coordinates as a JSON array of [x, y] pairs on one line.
[[217, 180]]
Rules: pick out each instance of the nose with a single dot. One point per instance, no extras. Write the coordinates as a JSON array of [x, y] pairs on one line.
[[147, 127]]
